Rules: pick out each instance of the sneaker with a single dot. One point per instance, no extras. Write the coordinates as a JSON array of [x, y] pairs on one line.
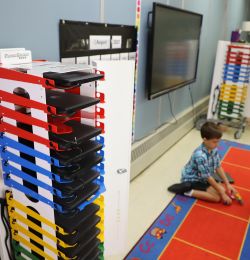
[[180, 188]]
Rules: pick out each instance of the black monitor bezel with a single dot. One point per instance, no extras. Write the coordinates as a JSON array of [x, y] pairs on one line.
[[151, 50]]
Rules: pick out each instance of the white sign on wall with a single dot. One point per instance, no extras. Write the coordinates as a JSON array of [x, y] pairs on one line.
[[116, 42], [99, 42], [82, 60]]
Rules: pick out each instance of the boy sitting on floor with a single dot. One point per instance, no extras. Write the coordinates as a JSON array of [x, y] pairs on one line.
[[197, 180]]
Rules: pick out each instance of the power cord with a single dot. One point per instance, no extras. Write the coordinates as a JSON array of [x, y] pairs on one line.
[[192, 101], [171, 108], [3, 204]]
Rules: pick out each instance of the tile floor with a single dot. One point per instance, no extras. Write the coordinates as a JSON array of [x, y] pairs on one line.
[[148, 194]]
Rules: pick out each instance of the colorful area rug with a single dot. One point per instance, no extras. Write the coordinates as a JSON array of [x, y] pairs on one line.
[[191, 229]]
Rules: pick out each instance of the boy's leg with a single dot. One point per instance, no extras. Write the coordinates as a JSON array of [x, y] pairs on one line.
[[210, 195], [212, 190]]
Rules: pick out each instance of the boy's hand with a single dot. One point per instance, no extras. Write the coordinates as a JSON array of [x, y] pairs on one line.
[[230, 189], [226, 199]]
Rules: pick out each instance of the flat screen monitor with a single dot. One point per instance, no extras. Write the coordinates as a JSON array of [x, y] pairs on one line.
[[174, 41]]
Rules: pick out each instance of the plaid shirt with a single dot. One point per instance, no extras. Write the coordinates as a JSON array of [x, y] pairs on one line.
[[201, 165]]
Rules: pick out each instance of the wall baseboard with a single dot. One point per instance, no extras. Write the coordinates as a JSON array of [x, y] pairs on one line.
[[149, 149]]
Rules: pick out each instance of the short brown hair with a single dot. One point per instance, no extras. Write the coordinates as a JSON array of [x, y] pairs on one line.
[[210, 130]]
